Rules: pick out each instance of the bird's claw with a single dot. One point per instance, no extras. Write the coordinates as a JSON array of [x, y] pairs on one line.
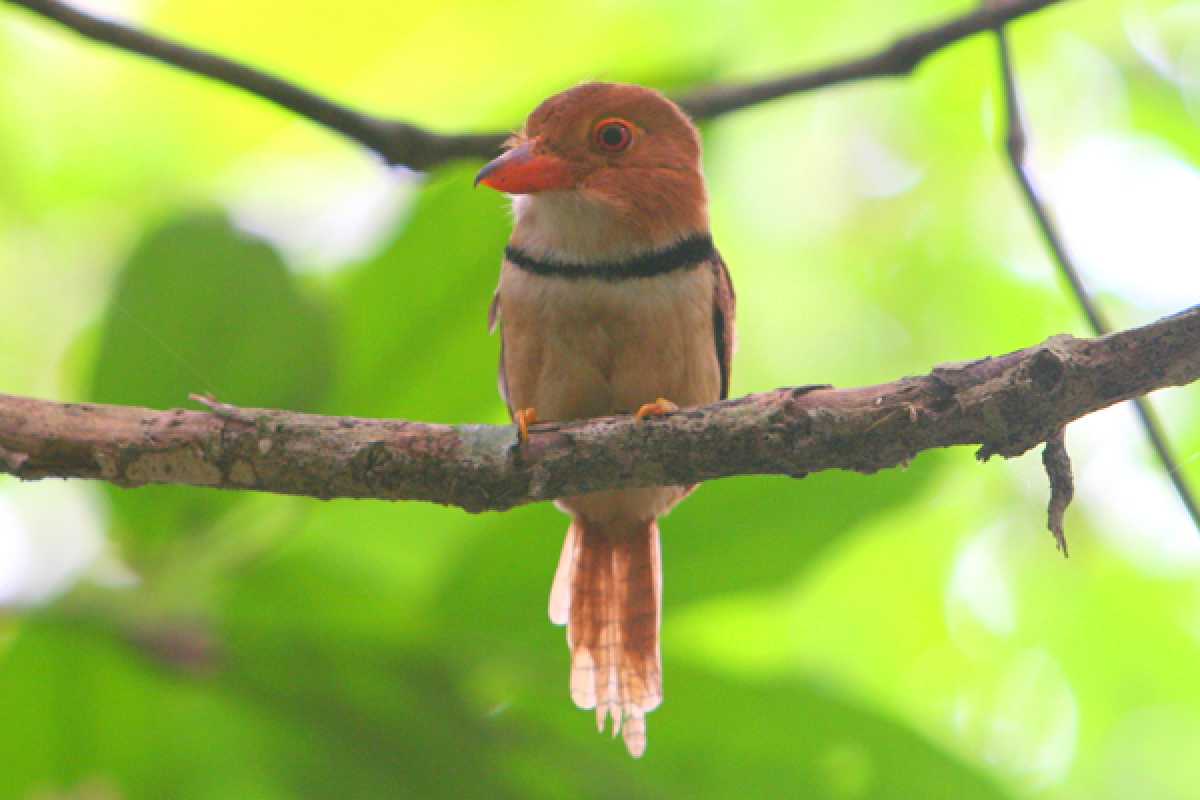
[[524, 418], [658, 408]]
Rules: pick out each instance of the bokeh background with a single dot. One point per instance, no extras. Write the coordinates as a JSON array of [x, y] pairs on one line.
[[911, 634]]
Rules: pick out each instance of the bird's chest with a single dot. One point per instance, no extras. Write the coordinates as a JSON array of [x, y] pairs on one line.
[[586, 347]]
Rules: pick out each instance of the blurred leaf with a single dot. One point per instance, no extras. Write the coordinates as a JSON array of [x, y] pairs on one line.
[[97, 709], [732, 535], [79, 706], [795, 739], [509, 711], [715, 546], [717, 738], [93, 709], [201, 308], [414, 319]]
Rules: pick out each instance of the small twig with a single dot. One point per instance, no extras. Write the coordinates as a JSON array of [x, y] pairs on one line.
[[222, 410], [184, 645], [407, 145], [1057, 462], [1016, 144]]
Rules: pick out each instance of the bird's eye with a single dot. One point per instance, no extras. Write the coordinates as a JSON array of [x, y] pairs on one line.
[[613, 135]]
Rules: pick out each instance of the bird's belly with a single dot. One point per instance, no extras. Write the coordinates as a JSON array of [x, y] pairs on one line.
[[583, 348]]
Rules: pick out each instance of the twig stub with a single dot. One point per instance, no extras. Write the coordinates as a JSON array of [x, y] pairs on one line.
[[1057, 462]]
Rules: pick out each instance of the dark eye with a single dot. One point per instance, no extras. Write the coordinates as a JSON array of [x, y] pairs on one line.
[[613, 135]]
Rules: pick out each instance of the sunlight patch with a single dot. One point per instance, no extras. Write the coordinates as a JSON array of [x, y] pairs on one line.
[[979, 586], [1118, 481], [1128, 212], [51, 535], [1026, 723], [115, 10], [321, 214]]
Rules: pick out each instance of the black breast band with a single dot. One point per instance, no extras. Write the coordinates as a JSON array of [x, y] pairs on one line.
[[686, 253]]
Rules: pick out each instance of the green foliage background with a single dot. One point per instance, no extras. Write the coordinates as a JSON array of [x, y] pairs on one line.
[[907, 635]]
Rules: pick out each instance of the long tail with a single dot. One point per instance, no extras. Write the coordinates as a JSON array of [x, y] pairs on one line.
[[608, 592]]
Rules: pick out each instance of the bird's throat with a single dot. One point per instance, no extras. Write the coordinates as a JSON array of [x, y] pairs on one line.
[[572, 228]]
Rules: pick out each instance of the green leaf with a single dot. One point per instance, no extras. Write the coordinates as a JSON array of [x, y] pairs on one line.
[[793, 739], [85, 706], [731, 535], [413, 320], [200, 307]]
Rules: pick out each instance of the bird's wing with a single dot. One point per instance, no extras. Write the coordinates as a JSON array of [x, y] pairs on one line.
[[493, 319], [724, 303]]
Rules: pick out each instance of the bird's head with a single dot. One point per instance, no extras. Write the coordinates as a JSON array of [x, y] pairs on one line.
[[603, 168]]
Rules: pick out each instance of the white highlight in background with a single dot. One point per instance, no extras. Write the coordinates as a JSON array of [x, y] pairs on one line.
[[321, 214], [979, 583], [51, 535], [1128, 211]]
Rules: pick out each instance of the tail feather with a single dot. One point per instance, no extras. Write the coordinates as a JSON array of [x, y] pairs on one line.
[[560, 590], [608, 591]]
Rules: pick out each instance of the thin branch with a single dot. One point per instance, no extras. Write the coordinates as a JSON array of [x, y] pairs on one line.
[[898, 59], [398, 143], [1016, 143], [1006, 404], [404, 144]]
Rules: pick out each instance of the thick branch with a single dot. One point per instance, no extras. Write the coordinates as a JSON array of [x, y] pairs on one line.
[[404, 144], [1006, 404]]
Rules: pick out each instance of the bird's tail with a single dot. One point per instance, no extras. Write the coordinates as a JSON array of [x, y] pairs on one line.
[[608, 592]]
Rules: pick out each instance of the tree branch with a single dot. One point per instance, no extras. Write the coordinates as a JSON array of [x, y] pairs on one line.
[[404, 144], [1016, 144], [398, 143], [898, 59], [1006, 404]]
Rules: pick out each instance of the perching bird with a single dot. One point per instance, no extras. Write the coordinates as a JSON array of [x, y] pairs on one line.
[[612, 299]]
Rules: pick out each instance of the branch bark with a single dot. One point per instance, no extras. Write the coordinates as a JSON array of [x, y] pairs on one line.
[[404, 144], [1007, 404]]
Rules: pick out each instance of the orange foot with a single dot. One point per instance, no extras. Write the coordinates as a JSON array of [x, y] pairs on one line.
[[658, 408], [524, 418]]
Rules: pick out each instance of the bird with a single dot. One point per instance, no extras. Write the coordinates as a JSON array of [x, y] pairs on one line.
[[612, 299]]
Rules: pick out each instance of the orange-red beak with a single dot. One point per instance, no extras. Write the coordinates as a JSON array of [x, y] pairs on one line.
[[521, 171]]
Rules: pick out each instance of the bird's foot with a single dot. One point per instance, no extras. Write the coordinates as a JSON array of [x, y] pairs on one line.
[[524, 418], [660, 407]]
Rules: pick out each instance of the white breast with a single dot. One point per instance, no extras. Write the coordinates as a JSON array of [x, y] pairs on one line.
[[570, 227]]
